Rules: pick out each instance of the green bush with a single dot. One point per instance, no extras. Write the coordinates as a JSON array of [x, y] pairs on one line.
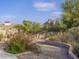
[[16, 47]]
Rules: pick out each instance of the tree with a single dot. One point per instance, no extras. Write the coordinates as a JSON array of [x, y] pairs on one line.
[[28, 25], [71, 13], [20, 27], [32, 27], [36, 27]]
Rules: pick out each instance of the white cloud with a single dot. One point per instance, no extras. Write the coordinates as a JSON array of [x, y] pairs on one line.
[[57, 14], [44, 6]]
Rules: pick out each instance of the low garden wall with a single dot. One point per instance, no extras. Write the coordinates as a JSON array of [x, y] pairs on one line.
[[67, 47]]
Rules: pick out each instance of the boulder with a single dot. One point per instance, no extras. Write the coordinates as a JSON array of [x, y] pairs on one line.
[[5, 55]]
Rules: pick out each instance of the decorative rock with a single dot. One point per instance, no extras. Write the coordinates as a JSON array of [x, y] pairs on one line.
[[5, 55]]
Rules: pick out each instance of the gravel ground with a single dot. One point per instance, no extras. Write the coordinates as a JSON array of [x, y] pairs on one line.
[[47, 52]]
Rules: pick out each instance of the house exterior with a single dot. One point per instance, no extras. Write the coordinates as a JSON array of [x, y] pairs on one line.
[[50, 21]]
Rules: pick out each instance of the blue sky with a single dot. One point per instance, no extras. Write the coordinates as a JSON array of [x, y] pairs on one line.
[[33, 10]]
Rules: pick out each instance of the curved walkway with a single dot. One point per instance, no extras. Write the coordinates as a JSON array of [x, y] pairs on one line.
[[47, 52]]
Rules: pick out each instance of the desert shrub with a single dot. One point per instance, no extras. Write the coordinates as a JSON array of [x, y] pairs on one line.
[[20, 42], [66, 37], [51, 37], [60, 36], [71, 34], [75, 46], [1, 35], [75, 32], [55, 36], [76, 49]]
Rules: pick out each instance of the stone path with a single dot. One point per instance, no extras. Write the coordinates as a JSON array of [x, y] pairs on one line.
[[47, 52]]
